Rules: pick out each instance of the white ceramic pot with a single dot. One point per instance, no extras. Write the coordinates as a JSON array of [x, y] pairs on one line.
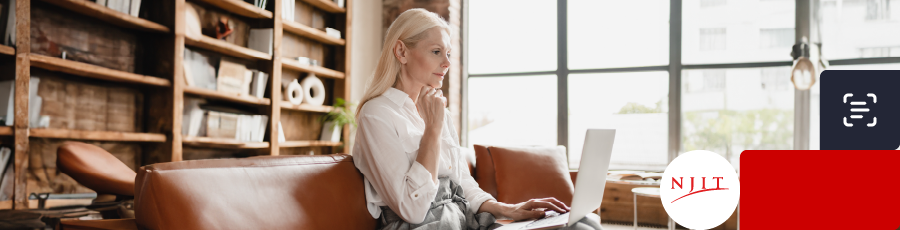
[[330, 132]]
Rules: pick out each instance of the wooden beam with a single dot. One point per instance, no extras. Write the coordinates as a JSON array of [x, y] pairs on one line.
[[97, 135], [178, 84], [311, 33], [212, 94], [318, 70], [23, 79], [91, 9], [294, 144], [306, 107], [275, 79], [327, 5], [226, 48], [93, 71], [222, 143], [240, 7]]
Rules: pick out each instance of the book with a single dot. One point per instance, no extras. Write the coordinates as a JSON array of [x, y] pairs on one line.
[[261, 40], [7, 97], [135, 7], [231, 77], [123, 6], [192, 116], [10, 38], [258, 86], [6, 180]]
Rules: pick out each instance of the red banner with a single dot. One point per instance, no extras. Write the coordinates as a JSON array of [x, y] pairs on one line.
[[813, 189]]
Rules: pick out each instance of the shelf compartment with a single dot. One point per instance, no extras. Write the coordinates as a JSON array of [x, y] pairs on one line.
[[7, 50], [306, 107], [311, 33], [97, 135], [295, 144], [222, 143], [240, 7], [226, 48], [295, 65], [93, 71], [212, 94], [91, 9], [326, 5]]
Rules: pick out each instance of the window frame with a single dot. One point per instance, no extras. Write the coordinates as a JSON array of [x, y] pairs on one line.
[[805, 10]]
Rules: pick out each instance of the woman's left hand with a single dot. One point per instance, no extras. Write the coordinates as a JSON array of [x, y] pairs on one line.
[[534, 208]]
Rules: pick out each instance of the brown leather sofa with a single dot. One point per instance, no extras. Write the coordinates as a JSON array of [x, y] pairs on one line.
[[306, 192]]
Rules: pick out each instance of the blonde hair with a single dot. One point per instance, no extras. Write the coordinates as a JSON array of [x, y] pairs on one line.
[[409, 27]]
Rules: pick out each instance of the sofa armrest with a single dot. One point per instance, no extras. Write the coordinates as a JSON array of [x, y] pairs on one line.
[[112, 224]]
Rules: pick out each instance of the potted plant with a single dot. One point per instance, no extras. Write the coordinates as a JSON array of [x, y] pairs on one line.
[[335, 120]]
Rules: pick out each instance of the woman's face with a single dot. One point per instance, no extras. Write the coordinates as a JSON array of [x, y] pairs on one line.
[[429, 60]]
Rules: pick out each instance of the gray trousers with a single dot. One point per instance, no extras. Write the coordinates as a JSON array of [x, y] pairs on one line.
[[450, 211]]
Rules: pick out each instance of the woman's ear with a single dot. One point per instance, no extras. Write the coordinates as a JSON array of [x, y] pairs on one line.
[[400, 51]]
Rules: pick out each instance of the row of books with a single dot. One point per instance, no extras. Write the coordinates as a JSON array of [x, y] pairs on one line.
[[231, 76], [205, 120], [131, 7]]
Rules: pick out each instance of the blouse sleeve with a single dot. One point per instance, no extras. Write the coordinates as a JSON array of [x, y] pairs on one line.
[[406, 188], [474, 194]]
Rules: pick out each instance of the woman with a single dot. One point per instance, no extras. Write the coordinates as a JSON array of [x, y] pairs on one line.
[[415, 175]]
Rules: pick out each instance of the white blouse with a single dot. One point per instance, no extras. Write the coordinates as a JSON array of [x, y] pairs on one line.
[[387, 142]]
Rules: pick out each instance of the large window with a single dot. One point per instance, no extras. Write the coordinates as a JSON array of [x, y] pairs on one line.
[[556, 68]]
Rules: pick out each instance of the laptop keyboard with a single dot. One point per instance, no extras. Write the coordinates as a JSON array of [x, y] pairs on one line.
[[550, 217]]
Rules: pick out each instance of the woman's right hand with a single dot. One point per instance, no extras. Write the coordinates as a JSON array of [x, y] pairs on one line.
[[431, 105]]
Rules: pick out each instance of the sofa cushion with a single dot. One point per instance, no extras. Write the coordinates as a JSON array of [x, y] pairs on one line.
[[523, 173], [272, 192]]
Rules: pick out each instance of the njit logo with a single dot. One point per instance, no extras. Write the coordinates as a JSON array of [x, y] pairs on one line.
[[700, 189], [692, 192]]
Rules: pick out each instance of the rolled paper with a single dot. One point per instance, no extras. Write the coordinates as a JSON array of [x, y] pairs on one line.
[[313, 90], [294, 92]]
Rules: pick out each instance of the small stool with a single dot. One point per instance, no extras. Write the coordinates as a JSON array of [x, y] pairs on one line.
[[648, 192]]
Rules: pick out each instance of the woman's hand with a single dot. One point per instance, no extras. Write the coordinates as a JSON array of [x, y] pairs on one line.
[[534, 208], [431, 107]]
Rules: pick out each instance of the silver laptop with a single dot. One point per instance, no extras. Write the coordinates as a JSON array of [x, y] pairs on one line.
[[589, 184]]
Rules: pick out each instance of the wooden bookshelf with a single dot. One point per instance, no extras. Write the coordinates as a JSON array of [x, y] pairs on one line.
[[232, 97], [92, 9], [160, 88], [222, 143], [97, 135], [225, 48], [306, 107], [311, 33], [294, 144], [240, 7], [295, 65], [93, 71], [327, 5], [7, 50]]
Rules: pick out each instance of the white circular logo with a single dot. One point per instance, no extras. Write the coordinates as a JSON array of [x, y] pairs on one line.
[[699, 189]]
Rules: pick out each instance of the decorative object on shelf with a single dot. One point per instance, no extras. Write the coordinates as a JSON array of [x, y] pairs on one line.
[[313, 90], [303, 60], [335, 120], [232, 77], [222, 28], [261, 40], [192, 27], [340, 3], [281, 133], [199, 69], [294, 92], [9, 38], [333, 32]]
